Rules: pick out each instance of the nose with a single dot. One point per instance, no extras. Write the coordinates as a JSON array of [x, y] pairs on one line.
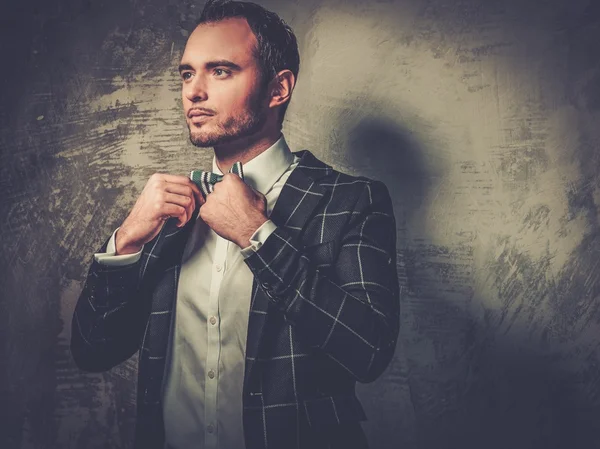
[[195, 89]]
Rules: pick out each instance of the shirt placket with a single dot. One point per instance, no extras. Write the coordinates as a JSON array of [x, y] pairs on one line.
[[213, 346]]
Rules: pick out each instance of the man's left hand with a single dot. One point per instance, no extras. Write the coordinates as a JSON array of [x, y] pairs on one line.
[[234, 210]]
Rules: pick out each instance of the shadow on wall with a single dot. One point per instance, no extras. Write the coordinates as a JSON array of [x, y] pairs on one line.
[[376, 146], [465, 376], [385, 151]]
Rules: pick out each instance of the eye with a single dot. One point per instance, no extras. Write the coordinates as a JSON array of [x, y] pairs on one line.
[[186, 75], [221, 73]]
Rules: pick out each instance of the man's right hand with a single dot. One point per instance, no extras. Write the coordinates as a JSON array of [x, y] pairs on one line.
[[163, 196]]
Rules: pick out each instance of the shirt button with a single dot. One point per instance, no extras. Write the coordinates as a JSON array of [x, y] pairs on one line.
[[219, 267], [210, 428], [213, 320], [211, 374]]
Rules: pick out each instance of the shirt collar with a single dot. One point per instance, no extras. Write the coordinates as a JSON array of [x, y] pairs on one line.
[[264, 170]]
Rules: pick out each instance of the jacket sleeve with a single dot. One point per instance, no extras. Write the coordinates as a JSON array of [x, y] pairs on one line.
[[110, 316], [350, 311]]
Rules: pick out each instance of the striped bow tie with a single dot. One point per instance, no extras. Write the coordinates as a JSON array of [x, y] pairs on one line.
[[206, 180]]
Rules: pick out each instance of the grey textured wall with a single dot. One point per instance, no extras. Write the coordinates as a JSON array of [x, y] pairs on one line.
[[481, 116]]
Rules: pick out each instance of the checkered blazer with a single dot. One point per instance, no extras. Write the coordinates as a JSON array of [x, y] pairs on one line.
[[324, 313]]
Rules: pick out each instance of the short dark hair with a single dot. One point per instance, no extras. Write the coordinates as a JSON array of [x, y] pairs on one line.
[[277, 46]]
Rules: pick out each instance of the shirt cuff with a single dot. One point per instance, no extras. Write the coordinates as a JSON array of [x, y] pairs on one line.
[[258, 238], [109, 258]]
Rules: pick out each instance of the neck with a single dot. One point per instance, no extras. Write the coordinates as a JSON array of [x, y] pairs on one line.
[[244, 150]]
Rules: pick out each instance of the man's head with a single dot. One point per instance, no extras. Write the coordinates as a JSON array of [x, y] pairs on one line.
[[238, 72]]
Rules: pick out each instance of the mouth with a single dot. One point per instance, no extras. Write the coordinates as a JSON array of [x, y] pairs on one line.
[[198, 119], [199, 113], [198, 116]]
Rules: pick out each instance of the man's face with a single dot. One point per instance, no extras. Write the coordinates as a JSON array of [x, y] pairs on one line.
[[223, 96]]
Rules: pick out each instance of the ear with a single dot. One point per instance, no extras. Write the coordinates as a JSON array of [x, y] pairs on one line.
[[281, 88]]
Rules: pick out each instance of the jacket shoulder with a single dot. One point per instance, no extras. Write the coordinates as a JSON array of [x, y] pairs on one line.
[[330, 178]]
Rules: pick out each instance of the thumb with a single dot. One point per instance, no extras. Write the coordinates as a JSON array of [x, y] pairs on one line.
[[260, 197]]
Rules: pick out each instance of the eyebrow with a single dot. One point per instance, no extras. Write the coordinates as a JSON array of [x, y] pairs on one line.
[[212, 64]]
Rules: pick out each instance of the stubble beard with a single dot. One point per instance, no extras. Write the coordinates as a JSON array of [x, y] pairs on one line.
[[233, 128]]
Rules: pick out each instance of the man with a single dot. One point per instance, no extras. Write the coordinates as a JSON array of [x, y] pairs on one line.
[[256, 307]]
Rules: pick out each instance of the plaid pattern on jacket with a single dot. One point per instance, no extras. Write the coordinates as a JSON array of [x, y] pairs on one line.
[[324, 313]]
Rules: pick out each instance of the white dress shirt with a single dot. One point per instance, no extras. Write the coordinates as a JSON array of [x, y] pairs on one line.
[[202, 392]]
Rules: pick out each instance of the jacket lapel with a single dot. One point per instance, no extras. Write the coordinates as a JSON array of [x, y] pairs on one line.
[[162, 259], [298, 198]]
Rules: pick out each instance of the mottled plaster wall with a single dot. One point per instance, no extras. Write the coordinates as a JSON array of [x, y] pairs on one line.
[[482, 117]]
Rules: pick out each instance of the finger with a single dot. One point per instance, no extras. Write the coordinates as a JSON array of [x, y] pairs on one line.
[[181, 189], [228, 182], [188, 187], [232, 177], [259, 196], [197, 194], [185, 201], [185, 190], [177, 211], [183, 181], [256, 192], [176, 179], [180, 180]]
